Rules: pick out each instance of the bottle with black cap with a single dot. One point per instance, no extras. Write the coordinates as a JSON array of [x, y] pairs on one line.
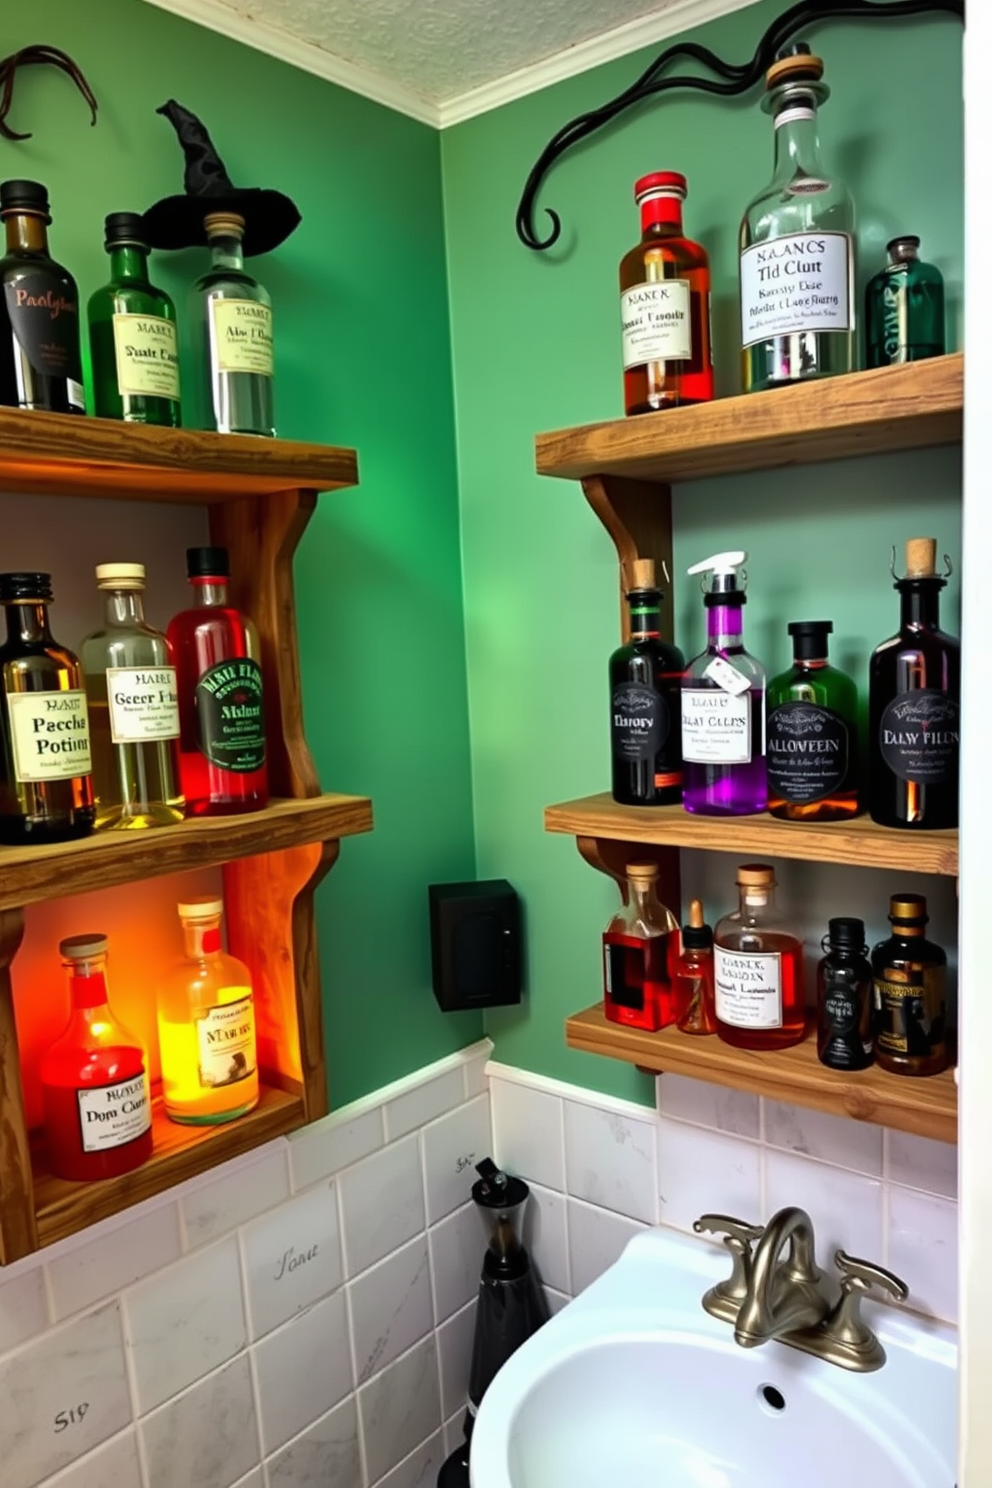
[[40, 365], [645, 701], [909, 974], [133, 342], [844, 997], [222, 766], [812, 736], [46, 789]]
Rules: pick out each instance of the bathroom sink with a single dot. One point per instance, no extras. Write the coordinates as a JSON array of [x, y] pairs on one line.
[[633, 1385]]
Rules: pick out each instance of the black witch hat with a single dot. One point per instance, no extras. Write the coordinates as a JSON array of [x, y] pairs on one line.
[[177, 221]]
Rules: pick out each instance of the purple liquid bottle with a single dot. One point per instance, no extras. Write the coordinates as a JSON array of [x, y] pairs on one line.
[[723, 703]]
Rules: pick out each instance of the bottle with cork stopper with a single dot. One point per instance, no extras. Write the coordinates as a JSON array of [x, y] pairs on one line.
[[914, 694], [639, 946], [758, 966], [645, 701]]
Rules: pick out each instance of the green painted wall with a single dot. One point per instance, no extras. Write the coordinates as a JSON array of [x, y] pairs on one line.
[[536, 346], [363, 359]]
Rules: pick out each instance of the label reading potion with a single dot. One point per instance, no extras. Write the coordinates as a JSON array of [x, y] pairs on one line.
[[919, 736], [639, 722], [45, 320], [807, 749], [794, 283], [49, 735], [230, 717]]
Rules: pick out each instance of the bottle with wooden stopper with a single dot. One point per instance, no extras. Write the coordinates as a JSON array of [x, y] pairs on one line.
[[637, 950], [909, 975], [645, 702], [914, 693], [758, 965], [694, 990]]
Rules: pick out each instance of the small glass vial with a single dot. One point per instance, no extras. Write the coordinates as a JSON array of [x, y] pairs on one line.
[[844, 998], [94, 1078], [665, 305], [904, 308], [694, 990], [206, 1026], [233, 321], [637, 947], [910, 974], [758, 965]]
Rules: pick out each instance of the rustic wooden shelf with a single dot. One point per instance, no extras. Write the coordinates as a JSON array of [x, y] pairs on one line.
[[180, 1152], [859, 842], [925, 1107], [864, 413], [55, 454]]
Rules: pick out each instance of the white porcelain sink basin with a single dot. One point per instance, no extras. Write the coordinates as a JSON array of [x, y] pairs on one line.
[[633, 1385]]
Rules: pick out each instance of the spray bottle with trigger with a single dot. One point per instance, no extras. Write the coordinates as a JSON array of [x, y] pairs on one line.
[[723, 703]]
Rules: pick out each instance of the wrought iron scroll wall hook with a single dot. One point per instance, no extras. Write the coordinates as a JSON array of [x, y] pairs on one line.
[[38, 56]]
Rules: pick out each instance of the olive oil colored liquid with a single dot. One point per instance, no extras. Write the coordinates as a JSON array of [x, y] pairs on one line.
[[139, 774]]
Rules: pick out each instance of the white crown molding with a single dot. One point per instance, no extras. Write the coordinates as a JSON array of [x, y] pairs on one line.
[[678, 16]]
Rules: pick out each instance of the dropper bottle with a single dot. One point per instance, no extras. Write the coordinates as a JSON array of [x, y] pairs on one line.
[[723, 702]]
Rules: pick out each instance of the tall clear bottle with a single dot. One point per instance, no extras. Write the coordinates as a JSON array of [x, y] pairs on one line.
[[797, 245], [232, 322], [133, 334], [723, 703], [134, 708], [758, 965]]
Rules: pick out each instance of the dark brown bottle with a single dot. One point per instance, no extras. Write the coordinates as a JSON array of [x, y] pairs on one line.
[[910, 974], [914, 692], [40, 366]]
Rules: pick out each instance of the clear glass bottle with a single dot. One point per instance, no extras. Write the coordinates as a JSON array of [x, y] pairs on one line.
[[758, 968], [695, 993], [135, 352], [134, 712], [94, 1078], [221, 708], [639, 945], [904, 308], [46, 788], [797, 245], [645, 705], [723, 701], [206, 1025], [910, 974], [812, 733], [232, 321], [665, 305], [40, 363], [844, 998]]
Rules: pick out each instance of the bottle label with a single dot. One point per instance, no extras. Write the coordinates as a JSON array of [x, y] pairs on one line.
[[656, 323], [807, 752], [50, 735], [726, 675], [748, 988], [919, 736], [229, 715], [225, 1042], [147, 356], [625, 971], [143, 704], [798, 282], [910, 1012], [716, 726], [241, 336], [45, 320], [844, 1038], [113, 1115], [640, 722]]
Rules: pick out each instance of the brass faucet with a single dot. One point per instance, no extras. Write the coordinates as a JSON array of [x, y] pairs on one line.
[[767, 1297]]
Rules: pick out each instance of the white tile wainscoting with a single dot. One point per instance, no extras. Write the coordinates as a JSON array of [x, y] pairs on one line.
[[302, 1317]]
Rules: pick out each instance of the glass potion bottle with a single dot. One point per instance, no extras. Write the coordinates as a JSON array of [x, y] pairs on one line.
[[844, 998], [133, 334], [40, 364], [797, 244], [638, 947], [645, 714], [904, 308], [910, 976], [812, 733], [233, 324], [723, 699], [758, 968]]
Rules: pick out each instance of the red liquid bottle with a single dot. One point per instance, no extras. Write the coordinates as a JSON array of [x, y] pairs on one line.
[[221, 712], [639, 945], [94, 1079]]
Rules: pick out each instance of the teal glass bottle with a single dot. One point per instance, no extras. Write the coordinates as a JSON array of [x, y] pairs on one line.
[[812, 733], [133, 335], [904, 308]]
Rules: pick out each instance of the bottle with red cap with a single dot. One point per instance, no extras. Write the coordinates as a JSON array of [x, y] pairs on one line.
[[665, 305]]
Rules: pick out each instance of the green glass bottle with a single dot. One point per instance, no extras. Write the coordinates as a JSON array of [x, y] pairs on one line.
[[904, 308], [812, 733], [233, 324], [133, 334]]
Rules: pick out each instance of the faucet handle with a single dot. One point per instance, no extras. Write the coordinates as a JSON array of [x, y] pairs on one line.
[[860, 1278], [850, 1340], [724, 1300], [722, 1224]]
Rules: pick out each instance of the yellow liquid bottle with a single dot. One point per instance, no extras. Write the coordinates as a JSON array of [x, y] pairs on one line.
[[206, 1026]]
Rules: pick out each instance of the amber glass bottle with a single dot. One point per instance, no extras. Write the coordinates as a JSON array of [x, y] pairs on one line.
[[909, 973], [665, 305], [758, 965]]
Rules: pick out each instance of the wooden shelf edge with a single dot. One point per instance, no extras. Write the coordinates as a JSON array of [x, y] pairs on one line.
[[862, 413], [64, 1208], [858, 843], [924, 1108]]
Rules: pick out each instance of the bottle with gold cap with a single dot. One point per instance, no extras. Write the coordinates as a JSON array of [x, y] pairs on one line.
[[134, 708], [909, 974], [233, 324], [645, 702], [639, 948], [914, 694], [797, 244], [758, 968]]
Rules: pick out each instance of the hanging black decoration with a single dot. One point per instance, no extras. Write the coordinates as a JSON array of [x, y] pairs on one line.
[[38, 56], [730, 78]]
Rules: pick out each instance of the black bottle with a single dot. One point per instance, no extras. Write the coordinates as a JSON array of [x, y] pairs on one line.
[[910, 974], [914, 692], [645, 703], [844, 998], [40, 366]]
